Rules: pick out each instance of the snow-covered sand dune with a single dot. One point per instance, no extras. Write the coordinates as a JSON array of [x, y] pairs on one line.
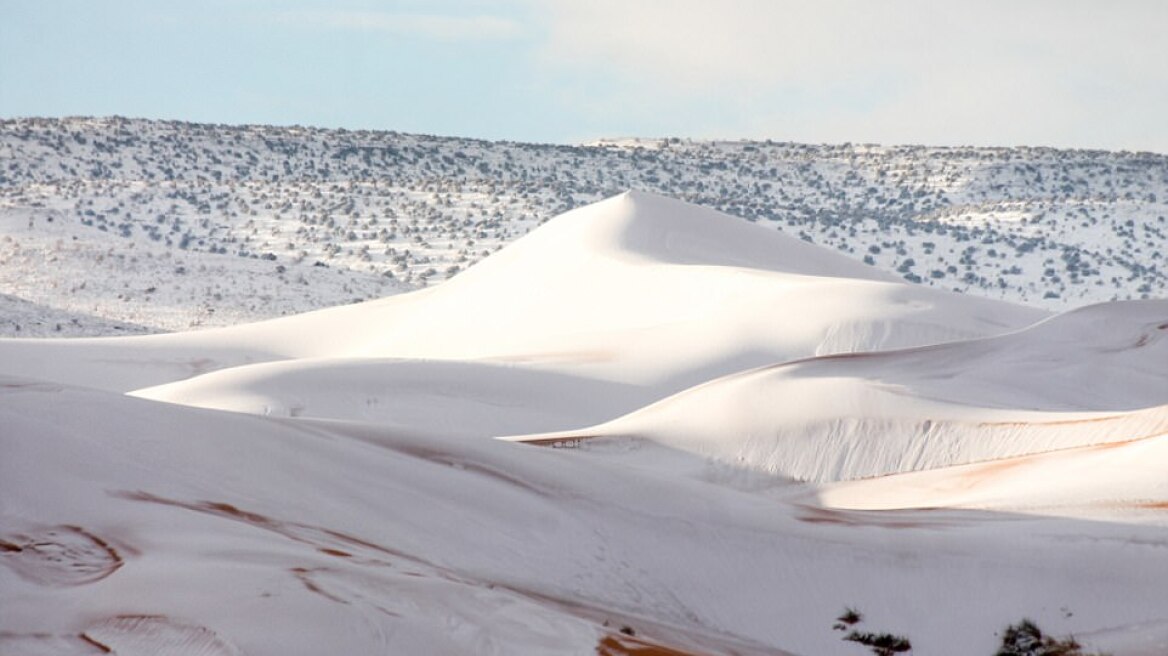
[[1086, 377], [622, 303], [138, 525], [468, 398], [638, 289], [1114, 478], [350, 513]]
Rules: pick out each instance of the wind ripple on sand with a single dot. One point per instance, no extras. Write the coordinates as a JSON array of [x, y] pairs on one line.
[[156, 635]]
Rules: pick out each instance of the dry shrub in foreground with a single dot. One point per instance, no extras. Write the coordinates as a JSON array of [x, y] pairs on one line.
[[1021, 639]]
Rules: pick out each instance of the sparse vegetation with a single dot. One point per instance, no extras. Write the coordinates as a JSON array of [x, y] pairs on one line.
[[849, 617], [1021, 639], [1026, 639], [389, 211], [881, 644]]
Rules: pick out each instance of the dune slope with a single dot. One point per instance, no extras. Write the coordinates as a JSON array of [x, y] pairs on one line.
[[295, 536], [622, 303], [1086, 377], [638, 289]]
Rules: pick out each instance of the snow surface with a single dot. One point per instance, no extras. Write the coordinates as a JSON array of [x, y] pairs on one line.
[[591, 294], [351, 501], [1086, 377]]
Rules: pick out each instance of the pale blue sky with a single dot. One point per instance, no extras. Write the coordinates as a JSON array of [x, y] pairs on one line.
[[1074, 73]]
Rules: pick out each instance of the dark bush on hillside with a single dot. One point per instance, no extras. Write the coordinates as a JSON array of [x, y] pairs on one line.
[[1026, 639]]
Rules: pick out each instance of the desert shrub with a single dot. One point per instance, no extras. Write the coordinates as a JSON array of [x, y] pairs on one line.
[[1026, 639], [881, 644], [1021, 639]]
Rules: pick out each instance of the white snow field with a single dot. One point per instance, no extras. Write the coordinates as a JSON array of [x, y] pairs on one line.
[[1093, 375], [638, 289], [765, 433]]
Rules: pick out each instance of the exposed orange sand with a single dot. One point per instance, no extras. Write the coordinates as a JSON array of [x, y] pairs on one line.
[[618, 644]]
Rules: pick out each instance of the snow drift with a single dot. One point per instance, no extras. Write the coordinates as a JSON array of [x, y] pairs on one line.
[[1086, 377], [622, 303]]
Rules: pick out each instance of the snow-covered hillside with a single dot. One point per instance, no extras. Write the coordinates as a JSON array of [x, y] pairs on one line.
[[767, 433], [641, 293], [174, 225]]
